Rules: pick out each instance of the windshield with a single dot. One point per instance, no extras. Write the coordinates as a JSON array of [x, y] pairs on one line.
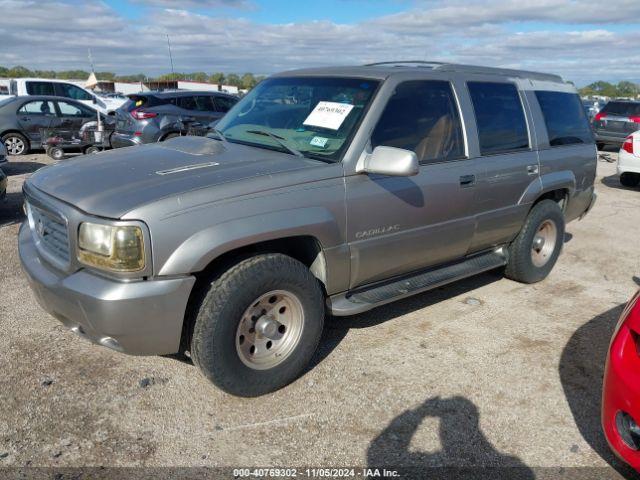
[[312, 116]]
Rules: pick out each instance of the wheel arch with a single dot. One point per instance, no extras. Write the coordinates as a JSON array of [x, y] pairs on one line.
[[557, 186]]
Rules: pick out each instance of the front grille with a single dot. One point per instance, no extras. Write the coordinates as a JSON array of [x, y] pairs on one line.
[[51, 230]]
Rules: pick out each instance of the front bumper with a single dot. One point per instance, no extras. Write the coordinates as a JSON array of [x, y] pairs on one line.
[[138, 318]]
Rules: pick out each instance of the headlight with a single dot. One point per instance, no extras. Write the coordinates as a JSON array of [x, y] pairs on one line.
[[119, 249]]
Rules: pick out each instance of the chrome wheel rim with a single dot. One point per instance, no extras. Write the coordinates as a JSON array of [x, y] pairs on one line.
[[14, 145], [544, 243], [270, 329]]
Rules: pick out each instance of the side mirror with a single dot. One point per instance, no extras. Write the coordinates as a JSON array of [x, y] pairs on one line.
[[393, 161]]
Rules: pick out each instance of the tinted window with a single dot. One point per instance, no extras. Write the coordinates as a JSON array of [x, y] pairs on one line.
[[499, 116], [224, 104], [73, 110], [624, 109], [422, 116], [38, 107], [188, 103], [565, 118], [40, 88], [71, 91], [204, 103]]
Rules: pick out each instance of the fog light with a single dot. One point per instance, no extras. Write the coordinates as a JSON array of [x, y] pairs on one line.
[[628, 430]]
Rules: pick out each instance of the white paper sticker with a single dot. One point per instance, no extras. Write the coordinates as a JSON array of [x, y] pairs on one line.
[[319, 141], [328, 115]]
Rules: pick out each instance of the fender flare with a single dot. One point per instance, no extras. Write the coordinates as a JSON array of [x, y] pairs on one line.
[[199, 250], [564, 179]]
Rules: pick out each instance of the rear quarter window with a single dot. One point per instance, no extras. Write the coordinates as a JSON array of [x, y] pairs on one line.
[[40, 88], [499, 116], [564, 117]]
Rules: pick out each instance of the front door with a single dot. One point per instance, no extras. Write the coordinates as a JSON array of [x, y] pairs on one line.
[[36, 115], [401, 224]]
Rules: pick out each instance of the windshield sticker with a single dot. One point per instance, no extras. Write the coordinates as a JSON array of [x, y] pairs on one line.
[[319, 142], [328, 115]]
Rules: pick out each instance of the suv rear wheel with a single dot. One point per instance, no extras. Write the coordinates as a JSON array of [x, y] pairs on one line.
[[258, 325], [630, 179], [535, 250]]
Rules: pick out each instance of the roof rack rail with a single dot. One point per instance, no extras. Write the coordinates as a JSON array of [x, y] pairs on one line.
[[404, 62]]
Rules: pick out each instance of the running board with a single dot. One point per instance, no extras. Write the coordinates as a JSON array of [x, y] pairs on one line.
[[363, 299]]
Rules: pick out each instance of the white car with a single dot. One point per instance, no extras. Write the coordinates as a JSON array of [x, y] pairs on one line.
[[61, 88], [629, 161]]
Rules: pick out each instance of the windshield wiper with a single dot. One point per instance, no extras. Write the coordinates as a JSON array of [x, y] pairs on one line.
[[221, 135], [280, 140]]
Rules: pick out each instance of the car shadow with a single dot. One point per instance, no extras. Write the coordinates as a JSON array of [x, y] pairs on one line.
[[336, 328], [11, 209], [613, 181], [465, 451], [12, 168], [581, 373]]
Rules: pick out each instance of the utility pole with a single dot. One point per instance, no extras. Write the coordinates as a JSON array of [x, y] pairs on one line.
[[170, 57]]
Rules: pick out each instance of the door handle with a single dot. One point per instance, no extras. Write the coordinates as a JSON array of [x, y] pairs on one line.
[[467, 180], [532, 169]]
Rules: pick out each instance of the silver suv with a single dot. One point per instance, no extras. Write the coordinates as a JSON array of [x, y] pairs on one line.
[[323, 191]]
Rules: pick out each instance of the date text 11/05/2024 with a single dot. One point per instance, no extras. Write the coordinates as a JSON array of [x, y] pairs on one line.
[[315, 472]]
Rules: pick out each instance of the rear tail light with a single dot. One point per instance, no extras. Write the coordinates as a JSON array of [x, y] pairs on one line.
[[600, 116], [634, 119], [141, 114], [627, 146]]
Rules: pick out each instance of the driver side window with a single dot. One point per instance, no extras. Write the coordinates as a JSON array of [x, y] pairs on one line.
[[422, 116]]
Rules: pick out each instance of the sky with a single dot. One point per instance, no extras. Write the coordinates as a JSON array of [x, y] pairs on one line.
[[582, 40]]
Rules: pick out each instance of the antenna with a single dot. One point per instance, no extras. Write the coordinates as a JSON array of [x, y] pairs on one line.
[[170, 57], [91, 60]]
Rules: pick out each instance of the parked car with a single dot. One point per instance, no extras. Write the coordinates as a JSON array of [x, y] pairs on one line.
[[615, 122], [23, 118], [230, 248], [592, 107], [621, 390], [157, 116], [3, 154], [629, 161], [61, 88]]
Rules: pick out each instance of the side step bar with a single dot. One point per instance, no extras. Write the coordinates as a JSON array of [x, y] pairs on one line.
[[363, 299]]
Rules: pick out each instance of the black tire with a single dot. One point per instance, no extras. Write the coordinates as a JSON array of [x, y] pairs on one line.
[[521, 266], [16, 139], [57, 153], [170, 135], [218, 317], [600, 146], [630, 179]]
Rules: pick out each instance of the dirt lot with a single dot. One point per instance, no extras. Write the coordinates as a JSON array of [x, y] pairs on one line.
[[483, 372]]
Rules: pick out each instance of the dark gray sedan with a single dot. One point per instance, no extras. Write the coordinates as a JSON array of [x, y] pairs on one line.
[[23, 118]]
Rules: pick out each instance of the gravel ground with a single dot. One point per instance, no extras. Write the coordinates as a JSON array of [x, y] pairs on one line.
[[483, 372]]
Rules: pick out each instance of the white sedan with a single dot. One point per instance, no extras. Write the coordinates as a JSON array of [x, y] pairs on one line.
[[629, 161]]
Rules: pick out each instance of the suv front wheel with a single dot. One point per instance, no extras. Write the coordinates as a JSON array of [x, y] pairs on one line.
[[535, 250], [258, 325]]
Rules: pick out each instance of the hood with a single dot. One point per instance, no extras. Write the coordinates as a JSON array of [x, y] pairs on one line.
[[110, 184]]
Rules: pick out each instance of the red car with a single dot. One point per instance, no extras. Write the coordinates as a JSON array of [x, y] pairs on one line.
[[621, 388]]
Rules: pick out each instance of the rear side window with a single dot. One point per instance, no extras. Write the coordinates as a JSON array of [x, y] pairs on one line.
[[40, 88], [623, 109], [224, 104], [422, 116], [188, 103], [499, 116], [38, 107], [565, 118]]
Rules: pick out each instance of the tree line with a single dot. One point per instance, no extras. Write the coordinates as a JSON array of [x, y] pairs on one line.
[[615, 90], [247, 80]]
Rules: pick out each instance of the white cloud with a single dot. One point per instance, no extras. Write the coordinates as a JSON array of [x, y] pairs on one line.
[[558, 36]]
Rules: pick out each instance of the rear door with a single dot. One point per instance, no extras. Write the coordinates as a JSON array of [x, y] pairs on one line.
[[509, 160], [618, 119], [35, 115], [74, 115]]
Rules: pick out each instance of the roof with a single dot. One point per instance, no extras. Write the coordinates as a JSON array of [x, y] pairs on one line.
[[182, 93], [383, 70]]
